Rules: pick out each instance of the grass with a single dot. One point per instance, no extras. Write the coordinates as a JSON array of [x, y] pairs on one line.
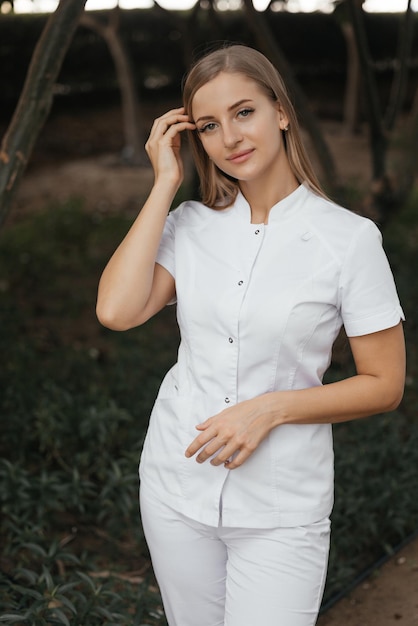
[[75, 403]]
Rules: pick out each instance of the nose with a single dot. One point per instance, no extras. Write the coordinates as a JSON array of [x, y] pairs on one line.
[[231, 135]]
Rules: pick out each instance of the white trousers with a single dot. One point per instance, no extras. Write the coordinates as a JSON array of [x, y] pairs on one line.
[[221, 576]]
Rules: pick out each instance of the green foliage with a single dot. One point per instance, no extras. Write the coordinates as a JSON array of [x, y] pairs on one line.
[[375, 504], [376, 458], [75, 402]]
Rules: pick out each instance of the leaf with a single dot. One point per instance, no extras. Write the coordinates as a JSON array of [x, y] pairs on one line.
[[46, 576], [34, 547], [60, 615], [66, 602], [87, 580], [72, 558], [25, 591], [28, 574], [67, 587], [107, 614]]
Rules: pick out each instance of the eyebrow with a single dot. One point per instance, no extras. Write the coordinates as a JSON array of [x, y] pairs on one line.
[[230, 108]]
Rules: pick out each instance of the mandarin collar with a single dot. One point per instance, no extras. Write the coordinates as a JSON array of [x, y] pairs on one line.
[[282, 210]]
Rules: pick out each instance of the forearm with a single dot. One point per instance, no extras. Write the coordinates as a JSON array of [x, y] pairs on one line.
[[126, 282], [133, 287], [378, 386], [349, 399]]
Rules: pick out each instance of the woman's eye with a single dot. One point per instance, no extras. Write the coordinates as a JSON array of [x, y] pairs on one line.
[[207, 127], [245, 112]]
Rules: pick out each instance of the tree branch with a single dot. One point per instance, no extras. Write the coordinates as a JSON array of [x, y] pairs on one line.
[[133, 151], [36, 98]]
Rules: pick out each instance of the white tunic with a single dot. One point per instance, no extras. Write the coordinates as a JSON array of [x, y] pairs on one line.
[[259, 307]]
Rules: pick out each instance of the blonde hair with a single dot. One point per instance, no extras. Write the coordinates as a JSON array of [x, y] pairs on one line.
[[218, 190]]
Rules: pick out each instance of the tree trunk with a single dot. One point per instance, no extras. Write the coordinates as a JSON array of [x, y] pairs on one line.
[[397, 96], [352, 87], [36, 98], [133, 152], [378, 138], [410, 165], [269, 46]]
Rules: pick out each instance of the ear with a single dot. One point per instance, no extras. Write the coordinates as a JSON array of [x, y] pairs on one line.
[[282, 117]]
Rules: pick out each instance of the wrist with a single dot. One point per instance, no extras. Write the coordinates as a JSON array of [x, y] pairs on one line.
[[273, 408], [168, 182], [164, 190]]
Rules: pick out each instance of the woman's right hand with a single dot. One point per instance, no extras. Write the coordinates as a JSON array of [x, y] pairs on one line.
[[163, 146], [133, 287]]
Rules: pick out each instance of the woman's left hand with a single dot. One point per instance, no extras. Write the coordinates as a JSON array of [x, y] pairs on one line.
[[232, 435]]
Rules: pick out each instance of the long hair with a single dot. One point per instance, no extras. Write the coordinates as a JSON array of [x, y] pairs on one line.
[[218, 190]]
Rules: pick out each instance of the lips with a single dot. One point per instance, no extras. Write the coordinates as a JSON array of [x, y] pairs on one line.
[[240, 157]]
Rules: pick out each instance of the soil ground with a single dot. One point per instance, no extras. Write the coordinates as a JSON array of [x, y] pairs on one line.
[[78, 157], [387, 597]]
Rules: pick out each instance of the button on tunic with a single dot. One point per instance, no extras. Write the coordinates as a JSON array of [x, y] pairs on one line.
[[259, 307]]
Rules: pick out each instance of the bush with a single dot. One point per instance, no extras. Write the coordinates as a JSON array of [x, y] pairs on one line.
[[75, 408]]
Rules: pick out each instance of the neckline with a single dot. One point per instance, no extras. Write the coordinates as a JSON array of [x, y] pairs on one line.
[[284, 209]]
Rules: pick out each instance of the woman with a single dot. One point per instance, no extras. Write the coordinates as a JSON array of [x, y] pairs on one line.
[[264, 271]]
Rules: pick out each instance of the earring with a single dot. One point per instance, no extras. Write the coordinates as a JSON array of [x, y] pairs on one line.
[[286, 128]]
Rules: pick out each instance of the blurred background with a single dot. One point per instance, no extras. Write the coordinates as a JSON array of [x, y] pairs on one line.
[[80, 86]]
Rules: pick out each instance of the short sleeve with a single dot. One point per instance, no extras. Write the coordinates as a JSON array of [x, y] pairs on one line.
[[368, 298], [165, 254]]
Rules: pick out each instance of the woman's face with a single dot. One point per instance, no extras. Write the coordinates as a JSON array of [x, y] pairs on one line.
[[240, 127]]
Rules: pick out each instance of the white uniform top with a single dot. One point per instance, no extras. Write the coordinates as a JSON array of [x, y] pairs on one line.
[[259, 307]]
